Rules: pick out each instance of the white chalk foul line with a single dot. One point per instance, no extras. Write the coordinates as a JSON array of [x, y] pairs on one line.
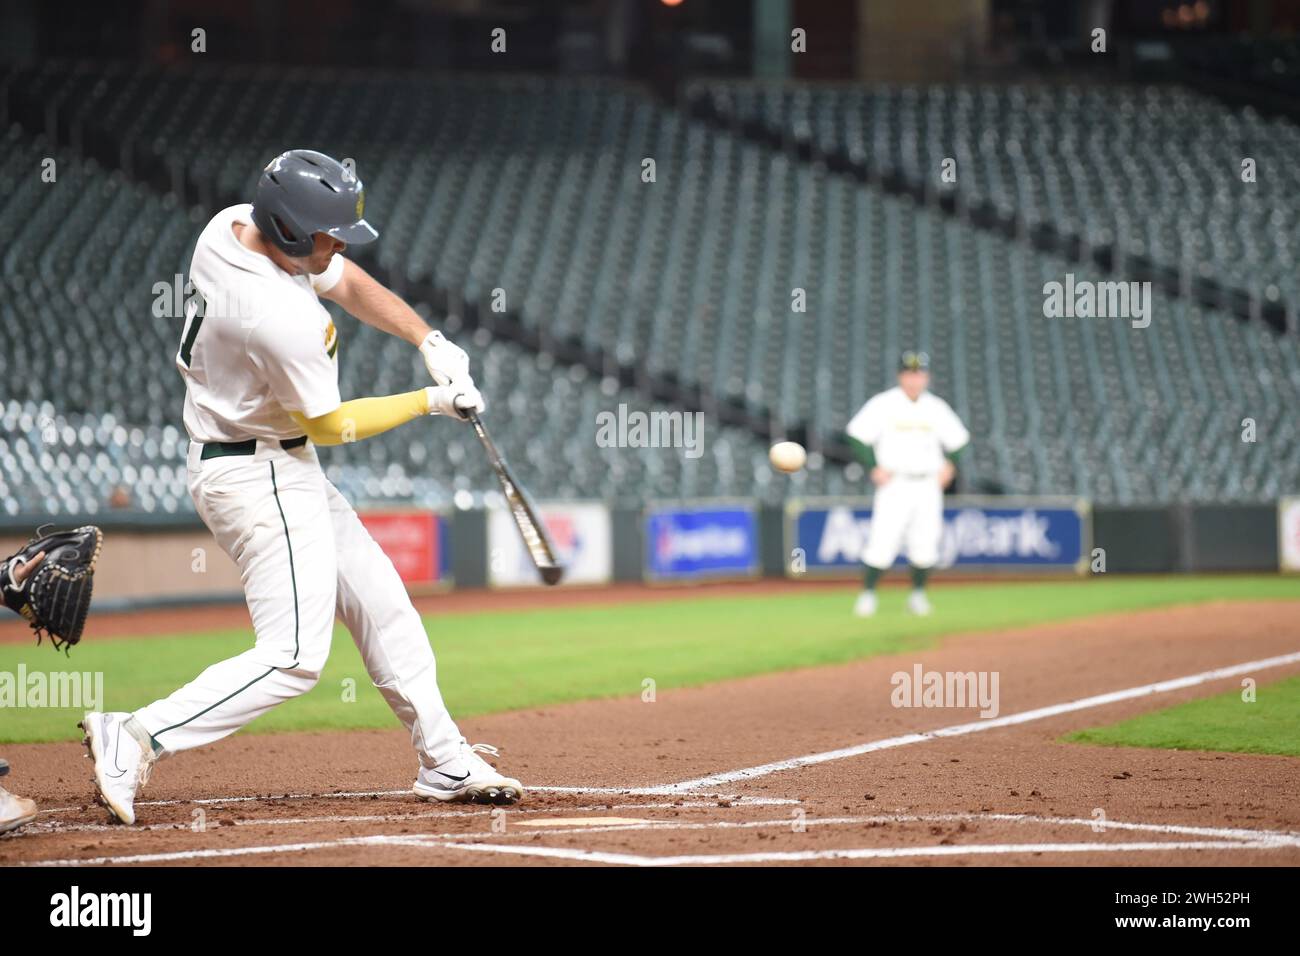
[[716, 780]]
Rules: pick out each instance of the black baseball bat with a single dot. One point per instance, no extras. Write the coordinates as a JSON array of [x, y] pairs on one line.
[[536, 538]]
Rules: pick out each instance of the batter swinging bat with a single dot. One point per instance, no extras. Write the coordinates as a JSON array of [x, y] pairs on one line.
[[531, 529]]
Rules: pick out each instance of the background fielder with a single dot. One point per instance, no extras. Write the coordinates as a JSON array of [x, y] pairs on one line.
[[261, 375], [909, 439]]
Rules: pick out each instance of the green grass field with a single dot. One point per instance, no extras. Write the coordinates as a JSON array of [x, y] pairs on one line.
[[504, 660], [1268, 725]]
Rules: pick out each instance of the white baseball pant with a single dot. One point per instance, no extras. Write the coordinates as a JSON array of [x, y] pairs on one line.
[[907, 511], [303, 556]]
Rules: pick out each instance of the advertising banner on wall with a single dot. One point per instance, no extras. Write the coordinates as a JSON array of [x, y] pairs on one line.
[[827, 536], [414, 540], [699, 541], [1288, 534], [580, 531]]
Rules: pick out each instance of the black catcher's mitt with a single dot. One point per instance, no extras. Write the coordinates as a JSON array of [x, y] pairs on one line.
[[55, 596]]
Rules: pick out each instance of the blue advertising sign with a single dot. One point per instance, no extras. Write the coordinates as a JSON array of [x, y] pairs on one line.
[[705, 541], [989, 533]]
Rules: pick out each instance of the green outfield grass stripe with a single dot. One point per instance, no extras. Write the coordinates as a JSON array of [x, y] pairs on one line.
[[1228, 722], [499, 660]]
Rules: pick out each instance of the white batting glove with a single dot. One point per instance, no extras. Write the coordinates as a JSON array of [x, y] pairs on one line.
[[446, 362], [456, 399]]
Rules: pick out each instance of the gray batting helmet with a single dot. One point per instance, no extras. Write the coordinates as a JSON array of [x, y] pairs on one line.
[[302, 192]]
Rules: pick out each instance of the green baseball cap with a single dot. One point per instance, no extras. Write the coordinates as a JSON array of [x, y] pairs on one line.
[[911, 361]]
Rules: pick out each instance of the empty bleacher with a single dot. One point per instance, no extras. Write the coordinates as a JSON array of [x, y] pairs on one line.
[[534, 187], [1151, 176]]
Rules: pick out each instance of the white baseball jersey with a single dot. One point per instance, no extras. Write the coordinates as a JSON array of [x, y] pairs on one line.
[[264, 347], [909, 437], [267, 346]]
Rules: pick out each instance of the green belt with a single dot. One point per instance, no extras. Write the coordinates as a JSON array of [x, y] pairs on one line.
[[220, 449]]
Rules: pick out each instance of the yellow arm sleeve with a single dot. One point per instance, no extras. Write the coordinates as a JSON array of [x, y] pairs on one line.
[[363, 417]]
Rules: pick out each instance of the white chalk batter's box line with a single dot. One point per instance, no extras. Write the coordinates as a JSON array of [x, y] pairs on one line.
[[54, 826], [1209, 838], [680, 804]]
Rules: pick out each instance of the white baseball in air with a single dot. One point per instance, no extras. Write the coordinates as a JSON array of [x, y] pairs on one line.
[[787, 456]]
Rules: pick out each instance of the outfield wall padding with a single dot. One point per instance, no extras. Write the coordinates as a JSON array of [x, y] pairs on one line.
[[1233, 538], [1141, 540], [628, 545], [469, 548]]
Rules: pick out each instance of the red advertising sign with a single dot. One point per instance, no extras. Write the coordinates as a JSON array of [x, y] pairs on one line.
[[410, 539]]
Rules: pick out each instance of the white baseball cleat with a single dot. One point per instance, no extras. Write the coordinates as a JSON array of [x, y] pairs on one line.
[[865, 606], [122, 762], [15, 811], [919, 604], [468, 778]]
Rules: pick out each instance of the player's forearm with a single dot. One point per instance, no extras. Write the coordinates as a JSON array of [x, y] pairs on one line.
[[371, 302], [365, 417]]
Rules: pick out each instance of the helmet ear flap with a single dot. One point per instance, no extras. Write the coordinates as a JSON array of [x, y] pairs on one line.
[[275, 229], [283, 231]]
